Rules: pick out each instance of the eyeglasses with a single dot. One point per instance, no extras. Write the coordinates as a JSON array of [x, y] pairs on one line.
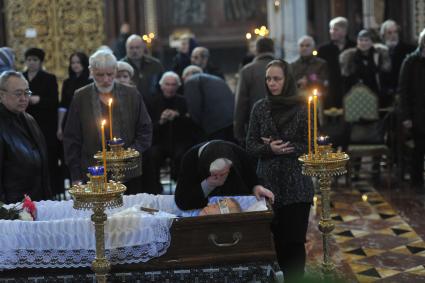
[[19, 93]]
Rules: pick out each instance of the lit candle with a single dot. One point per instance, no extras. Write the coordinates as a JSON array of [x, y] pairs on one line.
[[309, 125], [315, 120], [104, 149], [110, 119]]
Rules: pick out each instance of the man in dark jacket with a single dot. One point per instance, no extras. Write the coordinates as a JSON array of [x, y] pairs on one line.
[[210, 103], [147, 69], [251, 86], [330, 53], [412, 90], [23, 153], [398, 50]]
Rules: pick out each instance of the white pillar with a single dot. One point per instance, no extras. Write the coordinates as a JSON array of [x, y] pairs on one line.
[[287, 23]]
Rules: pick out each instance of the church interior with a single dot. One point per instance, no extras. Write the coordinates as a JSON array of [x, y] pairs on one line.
[[357, 167]]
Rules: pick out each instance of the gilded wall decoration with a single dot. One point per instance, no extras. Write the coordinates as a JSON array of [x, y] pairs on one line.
[[60, 27]]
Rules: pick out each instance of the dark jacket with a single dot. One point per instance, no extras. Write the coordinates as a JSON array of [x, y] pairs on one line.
[[330, 53], [171, 132], [412, 90], [146, 76], [195, 168], [250, 89], [23, 158], [280, 173], [213, 70], [314, 69], [82, 136], [210, 102]]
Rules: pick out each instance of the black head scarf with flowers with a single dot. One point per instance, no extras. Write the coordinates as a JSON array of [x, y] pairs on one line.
[[284, 106]]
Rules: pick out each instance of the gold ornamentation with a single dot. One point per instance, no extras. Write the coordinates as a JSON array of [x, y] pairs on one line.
[[61, 28], [325, 165], [122, 163], [98, 196]]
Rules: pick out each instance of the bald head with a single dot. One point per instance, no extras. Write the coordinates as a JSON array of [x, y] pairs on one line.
[[199, 57], [135, 47]]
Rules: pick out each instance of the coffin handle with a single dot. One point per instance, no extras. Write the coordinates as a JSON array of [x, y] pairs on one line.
[[237, 236]]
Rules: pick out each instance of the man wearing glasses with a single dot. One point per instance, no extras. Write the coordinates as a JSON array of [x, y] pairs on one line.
[[23, 153]]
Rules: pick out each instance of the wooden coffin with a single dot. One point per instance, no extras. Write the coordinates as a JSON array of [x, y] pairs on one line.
[[215, 240]]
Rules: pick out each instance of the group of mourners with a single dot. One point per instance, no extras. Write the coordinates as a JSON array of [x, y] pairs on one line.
[[218, 144]]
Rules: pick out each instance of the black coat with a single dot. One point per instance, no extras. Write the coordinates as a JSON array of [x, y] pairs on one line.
[[194, 169], [412, 90], [171, 132], [23, 158], [330, 53]]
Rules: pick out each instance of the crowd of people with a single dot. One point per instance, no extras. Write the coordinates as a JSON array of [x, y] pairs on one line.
[[219, 142]]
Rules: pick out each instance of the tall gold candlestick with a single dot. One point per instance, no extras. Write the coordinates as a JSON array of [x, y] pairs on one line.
[[315, 120], [309, 125], [104, 150], [110, 119]]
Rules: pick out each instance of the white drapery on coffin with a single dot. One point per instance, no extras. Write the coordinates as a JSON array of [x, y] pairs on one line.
[[64, 237]]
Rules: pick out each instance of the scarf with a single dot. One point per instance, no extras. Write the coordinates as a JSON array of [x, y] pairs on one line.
[[283, 106]]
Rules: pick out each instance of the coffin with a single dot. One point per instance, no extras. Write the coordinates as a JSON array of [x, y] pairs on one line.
[[193, 240]]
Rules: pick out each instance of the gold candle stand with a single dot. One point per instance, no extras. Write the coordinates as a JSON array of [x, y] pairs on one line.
[[122, 163], [325, 165], [97, 195]]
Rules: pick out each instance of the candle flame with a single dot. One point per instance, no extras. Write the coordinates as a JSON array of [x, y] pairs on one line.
[[103, 123], [110, 101], [315, 92], [310, 98]]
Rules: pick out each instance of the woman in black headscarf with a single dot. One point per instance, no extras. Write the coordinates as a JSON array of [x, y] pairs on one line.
[[216, 168], [277, 136]]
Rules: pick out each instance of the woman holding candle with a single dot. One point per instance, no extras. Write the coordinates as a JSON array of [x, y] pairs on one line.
[[277, 136]]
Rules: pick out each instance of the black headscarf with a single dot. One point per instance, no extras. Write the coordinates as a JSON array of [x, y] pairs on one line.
[[284, 106]]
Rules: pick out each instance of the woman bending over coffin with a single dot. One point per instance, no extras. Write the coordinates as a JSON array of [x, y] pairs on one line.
[[277, 135], [216, 168]]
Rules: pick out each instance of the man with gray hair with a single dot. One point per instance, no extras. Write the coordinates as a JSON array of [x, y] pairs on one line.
[[210, 104], [147, 69], [412, 89], [201, 57], [309, 71], [338, 28], [390, 35], [89, 107], [171, 131], [23, 152]]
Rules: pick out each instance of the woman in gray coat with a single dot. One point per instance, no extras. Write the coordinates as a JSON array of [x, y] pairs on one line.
[[277, 136]]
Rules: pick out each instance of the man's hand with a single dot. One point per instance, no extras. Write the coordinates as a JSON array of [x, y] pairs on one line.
[[34, 99], [407, 124], [259, 192]]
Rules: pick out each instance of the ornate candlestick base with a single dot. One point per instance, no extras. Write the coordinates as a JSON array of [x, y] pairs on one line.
[[325, 165], [98, 196], [122, 163]]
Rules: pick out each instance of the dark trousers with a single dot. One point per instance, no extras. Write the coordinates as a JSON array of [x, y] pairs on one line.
[[417, 165], [289, 228]]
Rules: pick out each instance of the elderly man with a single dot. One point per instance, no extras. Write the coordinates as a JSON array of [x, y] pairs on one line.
[[251, 86], [309, 71], [23, 152], [201, 57], [171, 131], [147, 69], [390, 34], [330, 53], [89, 107], [210, 103]]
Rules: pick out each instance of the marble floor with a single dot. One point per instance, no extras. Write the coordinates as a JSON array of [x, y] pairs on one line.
[[379, 233]]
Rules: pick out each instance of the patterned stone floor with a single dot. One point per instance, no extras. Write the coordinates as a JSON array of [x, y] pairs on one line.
[[372, 240]]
